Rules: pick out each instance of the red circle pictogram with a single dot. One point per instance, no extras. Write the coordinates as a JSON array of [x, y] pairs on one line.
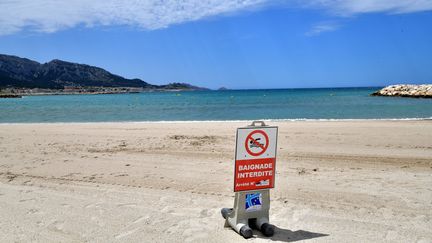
[[256, 143]]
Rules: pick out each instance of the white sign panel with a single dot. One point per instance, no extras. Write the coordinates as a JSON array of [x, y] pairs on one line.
[[256, 143]]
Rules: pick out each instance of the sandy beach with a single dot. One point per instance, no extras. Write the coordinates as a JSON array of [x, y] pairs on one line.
[[336, 181]]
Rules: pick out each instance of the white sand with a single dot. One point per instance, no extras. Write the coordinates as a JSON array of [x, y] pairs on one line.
[[359, 181]]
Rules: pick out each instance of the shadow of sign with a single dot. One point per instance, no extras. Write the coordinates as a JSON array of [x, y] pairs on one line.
[[291, 236]]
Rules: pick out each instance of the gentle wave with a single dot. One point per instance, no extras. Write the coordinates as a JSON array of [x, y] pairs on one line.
[[224, 121]]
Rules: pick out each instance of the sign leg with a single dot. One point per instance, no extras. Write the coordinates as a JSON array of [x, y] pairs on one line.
[[251, 210]]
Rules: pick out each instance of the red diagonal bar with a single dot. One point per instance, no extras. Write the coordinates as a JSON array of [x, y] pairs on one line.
[[256, 143]]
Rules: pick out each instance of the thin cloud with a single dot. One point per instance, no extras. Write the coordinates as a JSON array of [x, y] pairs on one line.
[[322, 27], [350, 8], [53, 15], [355, 7], [49, 16]]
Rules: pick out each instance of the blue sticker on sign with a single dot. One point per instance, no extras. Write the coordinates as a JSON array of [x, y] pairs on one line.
[[253, 202]]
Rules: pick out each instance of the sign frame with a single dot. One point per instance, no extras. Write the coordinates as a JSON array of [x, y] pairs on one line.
[[255, 128]]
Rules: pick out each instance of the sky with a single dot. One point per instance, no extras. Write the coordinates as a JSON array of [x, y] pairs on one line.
[[241, 44]]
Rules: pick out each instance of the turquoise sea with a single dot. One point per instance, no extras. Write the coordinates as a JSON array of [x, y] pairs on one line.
[[338, 103]]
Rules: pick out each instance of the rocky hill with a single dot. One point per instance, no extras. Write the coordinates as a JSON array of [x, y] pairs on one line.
[[57, 74], [406, 90]]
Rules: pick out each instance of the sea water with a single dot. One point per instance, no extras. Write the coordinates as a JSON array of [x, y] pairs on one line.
[[337, 103]]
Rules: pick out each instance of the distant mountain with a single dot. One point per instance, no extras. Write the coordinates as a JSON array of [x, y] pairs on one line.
[[56, 74], [180, 86]]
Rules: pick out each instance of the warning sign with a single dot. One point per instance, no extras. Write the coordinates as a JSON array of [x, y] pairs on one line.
[[255, 158]]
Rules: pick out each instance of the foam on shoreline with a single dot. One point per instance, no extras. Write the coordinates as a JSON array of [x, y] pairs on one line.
[[225, 121]]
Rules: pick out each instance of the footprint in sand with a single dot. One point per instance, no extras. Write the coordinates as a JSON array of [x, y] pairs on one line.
[[172, 229], [93, 205], [205, 213], [167, 209], [126, 205], [28, 182], [66, 205], [28, 200], [119, 174], [126, 233], [98, 221], [34, 211], [57, 226], [145, 218]]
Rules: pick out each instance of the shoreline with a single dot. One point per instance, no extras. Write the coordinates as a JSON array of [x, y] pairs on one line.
[[223, 121]]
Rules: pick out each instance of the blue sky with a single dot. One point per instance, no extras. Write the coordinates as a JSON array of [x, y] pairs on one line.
[[246, 44]]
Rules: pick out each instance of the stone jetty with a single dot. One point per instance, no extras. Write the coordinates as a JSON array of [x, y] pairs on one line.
[[10, 96], [406, 90]]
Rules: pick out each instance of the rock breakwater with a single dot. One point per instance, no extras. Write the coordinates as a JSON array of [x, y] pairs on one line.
[[406, 90], [10, 96]]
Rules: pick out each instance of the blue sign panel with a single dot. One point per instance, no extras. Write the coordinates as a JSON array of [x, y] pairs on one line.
[[253, 202]]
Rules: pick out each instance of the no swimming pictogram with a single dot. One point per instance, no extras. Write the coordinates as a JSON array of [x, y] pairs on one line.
[[257, 142]]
